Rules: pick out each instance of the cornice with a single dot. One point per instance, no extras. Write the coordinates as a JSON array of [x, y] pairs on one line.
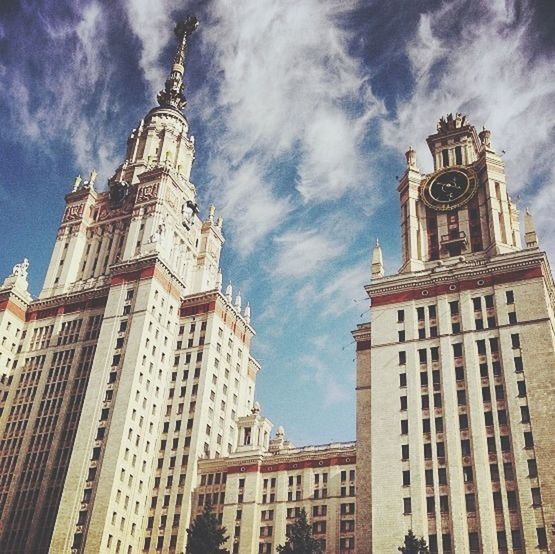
[[445, 274]]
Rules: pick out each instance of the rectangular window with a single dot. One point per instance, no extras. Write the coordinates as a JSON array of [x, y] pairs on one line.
[[402, 358], [515, 340], [402, 379], [510, 296], [407, 508], [400, 316], [458, 155]]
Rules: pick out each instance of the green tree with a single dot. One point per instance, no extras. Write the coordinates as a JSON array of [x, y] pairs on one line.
[[300, 539], [414, 545], [206, 535]]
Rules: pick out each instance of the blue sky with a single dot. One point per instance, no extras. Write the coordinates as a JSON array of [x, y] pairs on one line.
[[301, 113]]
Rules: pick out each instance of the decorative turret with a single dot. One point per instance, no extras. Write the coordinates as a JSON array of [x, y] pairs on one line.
[[172, 96], [254, 432], [377, 261], [229, 292], [238, 301], [247, 313], [530, 235]]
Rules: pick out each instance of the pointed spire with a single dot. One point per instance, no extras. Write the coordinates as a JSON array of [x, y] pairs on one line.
[[211, 212], [247, 313], [172, 96], [229, 292], [238, 301], [377, 261], [530, 235]]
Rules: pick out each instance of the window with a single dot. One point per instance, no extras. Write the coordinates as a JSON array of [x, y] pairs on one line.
[[474, 541], [521, 385], [400, 316], [401, 335], [463, 421], [402, 358], [510, 297], [403, 380], [404, 451], [536, 497], [470, 500], [525, 414], [407, 508], [519, 368], [515, 340], [444, 504], [501, 540], [459, 375], [406, 478], [427, 451], [404, 426], [465, 447], [403, 402], [430, 504], [481, 345], [468, 475], [528, 440], [420, 313], [429, 477], [445, 157], [517, 539], [461, 397], [422, 355], [454, 307], [542, 537], [457, 350], [442, 476], [458, 155], [512, 318], [426, 425]]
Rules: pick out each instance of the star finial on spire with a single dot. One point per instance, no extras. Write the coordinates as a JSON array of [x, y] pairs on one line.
[[172, 96]]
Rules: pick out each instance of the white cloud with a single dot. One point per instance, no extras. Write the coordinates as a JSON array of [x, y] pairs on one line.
[[302, 253], [287, 92], [55, 102]]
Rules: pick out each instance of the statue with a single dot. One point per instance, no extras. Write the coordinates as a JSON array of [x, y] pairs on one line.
[[20, 270]]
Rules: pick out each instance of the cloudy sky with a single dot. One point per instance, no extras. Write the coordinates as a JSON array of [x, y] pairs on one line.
[[301, 112]]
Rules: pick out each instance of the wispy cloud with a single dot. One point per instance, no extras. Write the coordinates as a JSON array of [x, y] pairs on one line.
[[491, 73], [287, 91], [65, 96]]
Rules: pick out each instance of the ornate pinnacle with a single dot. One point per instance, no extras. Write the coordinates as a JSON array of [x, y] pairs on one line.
[[172, 96]]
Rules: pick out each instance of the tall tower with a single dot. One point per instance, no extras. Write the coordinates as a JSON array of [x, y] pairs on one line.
[[455, 381], [131, 365]]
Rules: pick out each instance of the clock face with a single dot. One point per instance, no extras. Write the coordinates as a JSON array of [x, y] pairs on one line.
[[449, 188]]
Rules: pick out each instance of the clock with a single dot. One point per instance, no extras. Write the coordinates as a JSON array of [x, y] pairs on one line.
[[449, 188]]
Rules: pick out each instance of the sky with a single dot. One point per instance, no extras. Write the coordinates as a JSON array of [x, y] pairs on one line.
[[302, 112]]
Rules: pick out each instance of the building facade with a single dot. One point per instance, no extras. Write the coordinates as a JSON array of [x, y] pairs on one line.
[[455, 377], [259, 490], [130, 365]]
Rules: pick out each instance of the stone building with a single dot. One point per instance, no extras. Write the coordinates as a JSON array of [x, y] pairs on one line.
[[455, 380], [130, 365], [260, 489]]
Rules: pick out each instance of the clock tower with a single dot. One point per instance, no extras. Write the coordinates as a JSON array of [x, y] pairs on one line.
[[455, 380], [462, 208]]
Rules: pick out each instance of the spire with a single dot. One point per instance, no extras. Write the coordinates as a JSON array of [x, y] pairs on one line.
[[530, 235], [377, 261], [172, 96]]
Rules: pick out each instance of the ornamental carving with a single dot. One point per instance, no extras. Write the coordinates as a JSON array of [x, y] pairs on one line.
[[147, 192], [73, 212]]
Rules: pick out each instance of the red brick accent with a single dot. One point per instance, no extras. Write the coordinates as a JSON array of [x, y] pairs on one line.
[[419, 293], [8, 305]]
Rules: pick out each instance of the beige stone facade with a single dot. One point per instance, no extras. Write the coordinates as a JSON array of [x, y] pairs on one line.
[[259, 490], [130, 365], [455, 380]]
